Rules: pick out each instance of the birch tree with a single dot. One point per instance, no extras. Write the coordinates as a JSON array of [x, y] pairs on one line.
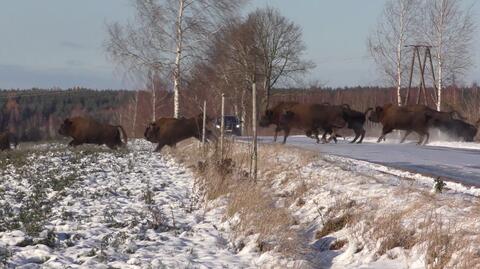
[[387, 43], [450, 30], [168, 36]]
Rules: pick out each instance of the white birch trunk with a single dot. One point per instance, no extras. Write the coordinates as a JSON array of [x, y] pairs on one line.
[[178, 56], [399, 53], [134, 122], [154, 99], [440, 55]]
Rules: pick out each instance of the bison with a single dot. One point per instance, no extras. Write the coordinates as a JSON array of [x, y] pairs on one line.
[[85, 130], [7, 138], [401, 118], [355, 121], [309, 117], [457, 128], [170, 131], [274, 116]]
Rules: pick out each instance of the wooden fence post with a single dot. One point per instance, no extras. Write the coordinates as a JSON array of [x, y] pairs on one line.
[[222, 126]]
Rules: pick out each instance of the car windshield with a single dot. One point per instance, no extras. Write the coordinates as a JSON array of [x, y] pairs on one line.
[[229, 120]]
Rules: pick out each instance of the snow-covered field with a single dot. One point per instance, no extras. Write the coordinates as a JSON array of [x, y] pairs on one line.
[[95, 208]]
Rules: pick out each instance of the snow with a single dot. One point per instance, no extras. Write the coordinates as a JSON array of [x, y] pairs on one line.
[[138, 209], [375, 191], [103, 219], [452, 161]]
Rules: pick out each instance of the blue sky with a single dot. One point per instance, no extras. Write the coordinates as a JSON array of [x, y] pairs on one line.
[[59, 43]]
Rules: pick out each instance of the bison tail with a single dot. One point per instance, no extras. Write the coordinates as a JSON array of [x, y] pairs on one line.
[[123, 133]]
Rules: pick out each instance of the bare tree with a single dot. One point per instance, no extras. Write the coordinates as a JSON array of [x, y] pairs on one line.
[[168, 36], [387, 43], [450, 30], [280, 47]]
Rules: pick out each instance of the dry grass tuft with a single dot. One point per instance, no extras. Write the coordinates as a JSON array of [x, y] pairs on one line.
[[390, 231], [338, 244], [333, 225]]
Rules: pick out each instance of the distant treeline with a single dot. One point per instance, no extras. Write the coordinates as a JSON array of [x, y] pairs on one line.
[[36, 114]]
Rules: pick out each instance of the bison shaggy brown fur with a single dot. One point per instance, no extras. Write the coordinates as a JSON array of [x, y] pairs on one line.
[[7, 138], [308, 117], [170, 131], [393, 117], [274, 116], [85, 130]]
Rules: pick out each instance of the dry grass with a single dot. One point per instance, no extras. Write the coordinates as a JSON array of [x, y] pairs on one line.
[[333, 225], [391, 233], [338, 244], [262, 207], [255, 206]]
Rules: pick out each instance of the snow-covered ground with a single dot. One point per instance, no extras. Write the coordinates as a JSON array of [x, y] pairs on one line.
[[96, 208], [106, 209], [394, 220], [452, 161]]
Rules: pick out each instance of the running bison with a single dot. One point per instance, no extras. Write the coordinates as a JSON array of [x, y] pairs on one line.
[[457, 128], [393, 117], [88, 131], [170, 131], [274, 116], [7, 138], [355, 121], [308, 117]]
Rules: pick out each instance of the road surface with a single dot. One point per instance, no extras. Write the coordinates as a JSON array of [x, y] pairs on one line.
[[461, 165]]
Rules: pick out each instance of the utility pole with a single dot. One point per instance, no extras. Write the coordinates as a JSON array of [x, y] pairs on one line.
[[422, 65], [254, 129]]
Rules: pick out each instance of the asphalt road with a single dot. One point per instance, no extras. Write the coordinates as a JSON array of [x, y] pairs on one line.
[[456, 164]]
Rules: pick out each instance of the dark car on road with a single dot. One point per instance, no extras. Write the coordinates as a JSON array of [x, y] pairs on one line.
[[232, 125]]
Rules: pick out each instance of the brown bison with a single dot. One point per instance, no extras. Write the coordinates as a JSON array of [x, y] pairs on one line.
[[308, 117], [170, 131], [88, 131], [355, 121], [274, 116], [393, 117], [7, 138]]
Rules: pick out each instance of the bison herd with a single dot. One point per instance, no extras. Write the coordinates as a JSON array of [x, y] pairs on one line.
[[311, 118]]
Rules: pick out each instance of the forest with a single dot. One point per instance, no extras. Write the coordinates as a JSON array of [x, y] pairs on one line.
[[35, 114]]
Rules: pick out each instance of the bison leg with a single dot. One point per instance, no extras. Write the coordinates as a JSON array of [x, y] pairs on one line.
[[112, 146], [324, 137], [316, 133], [333, 136], [405, 136], [277, 129], [159, 147], [426, 139], [74, 143], [362, 135], [313, 133], [385, 131], [356, 137], [287, 132]]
